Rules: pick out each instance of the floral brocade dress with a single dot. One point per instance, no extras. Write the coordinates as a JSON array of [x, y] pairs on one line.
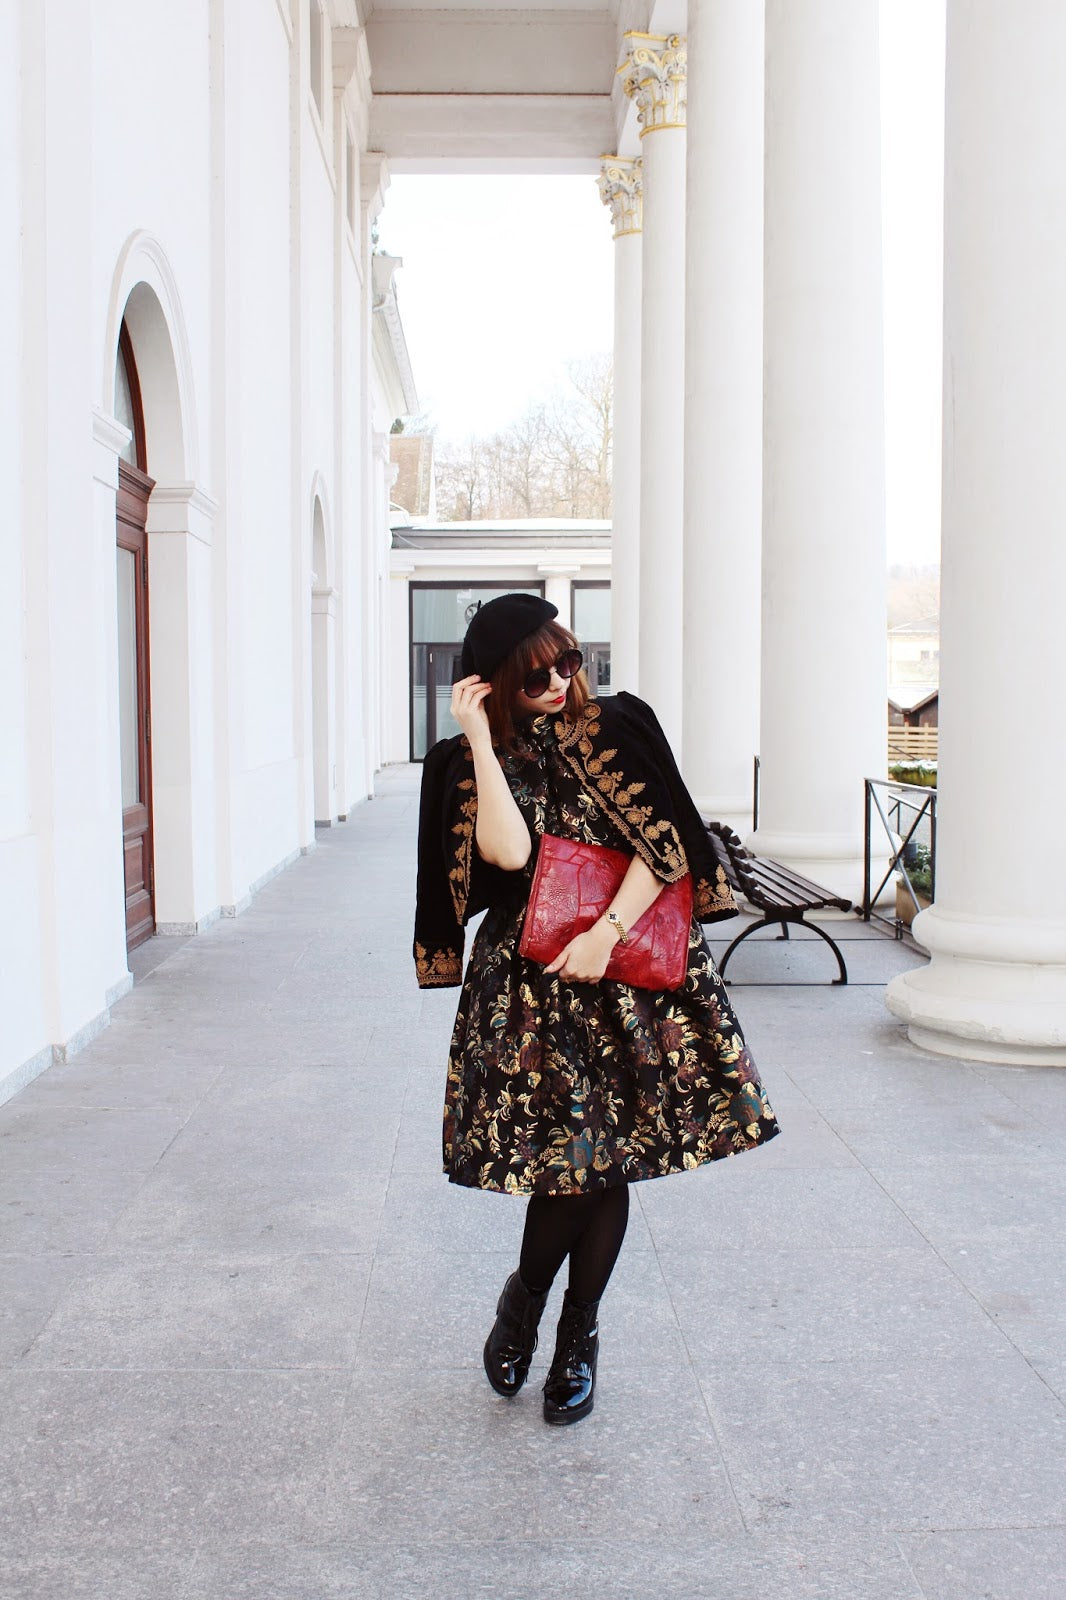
[[559, 1087]]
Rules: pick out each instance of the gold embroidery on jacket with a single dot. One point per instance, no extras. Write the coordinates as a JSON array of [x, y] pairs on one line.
[[712, 899], [440, 969], [654, 839], [459, 876]]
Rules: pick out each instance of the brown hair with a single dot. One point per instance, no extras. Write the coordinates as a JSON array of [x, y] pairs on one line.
[[540, 649]]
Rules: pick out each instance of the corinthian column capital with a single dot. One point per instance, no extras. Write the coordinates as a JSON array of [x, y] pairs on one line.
[[622, 188], [654, 75]]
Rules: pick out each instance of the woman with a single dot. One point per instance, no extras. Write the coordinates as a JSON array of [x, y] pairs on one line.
[[563, 1086]]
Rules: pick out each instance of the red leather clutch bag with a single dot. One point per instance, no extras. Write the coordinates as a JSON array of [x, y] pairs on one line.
[[574, 883]]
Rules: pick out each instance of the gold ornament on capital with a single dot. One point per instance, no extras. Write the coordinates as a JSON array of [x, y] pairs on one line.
[[655, 76], [622, 188]]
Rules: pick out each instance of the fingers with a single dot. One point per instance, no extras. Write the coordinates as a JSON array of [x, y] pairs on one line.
[[573, 970], [468, 702], [556, 965], [470, 691]]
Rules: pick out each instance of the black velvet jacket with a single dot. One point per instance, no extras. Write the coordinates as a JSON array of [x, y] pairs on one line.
[[621, 756]]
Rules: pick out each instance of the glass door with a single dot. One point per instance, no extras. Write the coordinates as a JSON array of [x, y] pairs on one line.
[[440, 615]]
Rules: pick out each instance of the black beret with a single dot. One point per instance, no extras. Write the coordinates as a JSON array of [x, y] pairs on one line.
[[496, 627]]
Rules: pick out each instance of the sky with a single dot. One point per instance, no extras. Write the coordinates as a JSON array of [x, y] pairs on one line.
[[506, 279]]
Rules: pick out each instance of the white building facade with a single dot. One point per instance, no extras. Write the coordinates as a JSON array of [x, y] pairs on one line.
[[202, 363], [201, 366]]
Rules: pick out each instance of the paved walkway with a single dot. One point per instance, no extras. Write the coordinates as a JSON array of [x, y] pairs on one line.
[[241, 1312]]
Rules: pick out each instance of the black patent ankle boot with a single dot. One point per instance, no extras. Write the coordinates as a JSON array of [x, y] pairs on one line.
[[571, 1381], [509, 1347]]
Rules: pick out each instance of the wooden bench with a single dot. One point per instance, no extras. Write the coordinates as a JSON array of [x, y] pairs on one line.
[[779, 893]]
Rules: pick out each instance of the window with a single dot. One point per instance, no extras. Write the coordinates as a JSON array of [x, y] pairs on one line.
[[592, 624]]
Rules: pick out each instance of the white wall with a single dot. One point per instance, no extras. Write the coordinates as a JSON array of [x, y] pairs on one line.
[[166, 160], [22, 998]]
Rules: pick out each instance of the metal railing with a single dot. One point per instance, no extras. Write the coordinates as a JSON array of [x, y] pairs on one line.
[[903, 813]]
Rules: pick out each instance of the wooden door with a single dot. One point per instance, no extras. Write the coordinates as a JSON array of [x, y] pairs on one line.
[[135, 727]]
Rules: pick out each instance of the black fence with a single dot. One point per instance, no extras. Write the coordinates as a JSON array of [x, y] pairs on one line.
[[910, 820]]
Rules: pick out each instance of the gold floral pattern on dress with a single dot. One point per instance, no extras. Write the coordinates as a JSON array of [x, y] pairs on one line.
[[560, 1088]]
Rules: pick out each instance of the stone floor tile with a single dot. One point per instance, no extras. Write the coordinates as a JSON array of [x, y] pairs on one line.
[[163, 1461], [203, 1312], [66, 1172], [418, 1151], [267, 1036], [917, 1445], [31, 1287], [806, 1141], [899, 1116], [139, 1086], [96, 1573], [976, 1198], [710, 1568], [765, 958], [1023, 1290], [827, 1305], [851, 1365], [427, 1210], [436, 1455], [1042, 1091], [638, 1325], [320, 1117], [448, 1217], [1053, 1374], [206, 1209], [1007, 1564], [53, 1138], [763, 1208]]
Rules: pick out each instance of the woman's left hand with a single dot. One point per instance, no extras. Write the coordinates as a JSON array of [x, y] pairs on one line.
[[585, 958]]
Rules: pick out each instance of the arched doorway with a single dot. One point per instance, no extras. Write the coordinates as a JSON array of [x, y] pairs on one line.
[[135, 731]]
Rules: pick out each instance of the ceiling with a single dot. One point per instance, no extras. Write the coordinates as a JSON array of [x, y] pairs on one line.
[[498, 87]]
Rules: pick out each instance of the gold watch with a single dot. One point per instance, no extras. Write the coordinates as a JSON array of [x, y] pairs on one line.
[[616, 923]]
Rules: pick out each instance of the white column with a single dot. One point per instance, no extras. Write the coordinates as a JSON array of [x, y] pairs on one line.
[[324, 700], [181, 562], [557, 589], [723, 406], [995, 988], [621, 188], [824, 684], [653, 75]]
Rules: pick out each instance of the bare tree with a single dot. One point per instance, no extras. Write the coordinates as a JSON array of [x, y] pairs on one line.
[[593, 411], [554, 461], [461, 485]]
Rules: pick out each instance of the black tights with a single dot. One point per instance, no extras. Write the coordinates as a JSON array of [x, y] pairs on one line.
[[589, 1228]]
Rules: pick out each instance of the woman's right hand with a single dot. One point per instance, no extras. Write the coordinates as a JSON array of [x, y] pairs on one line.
[[468, 707]]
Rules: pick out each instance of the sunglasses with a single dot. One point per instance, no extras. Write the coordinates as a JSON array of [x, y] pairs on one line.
[[539, 680]]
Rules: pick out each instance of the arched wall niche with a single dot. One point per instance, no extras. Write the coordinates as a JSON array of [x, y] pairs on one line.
[[144, 292], [321, 540], [180, 568], [323, 661]]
